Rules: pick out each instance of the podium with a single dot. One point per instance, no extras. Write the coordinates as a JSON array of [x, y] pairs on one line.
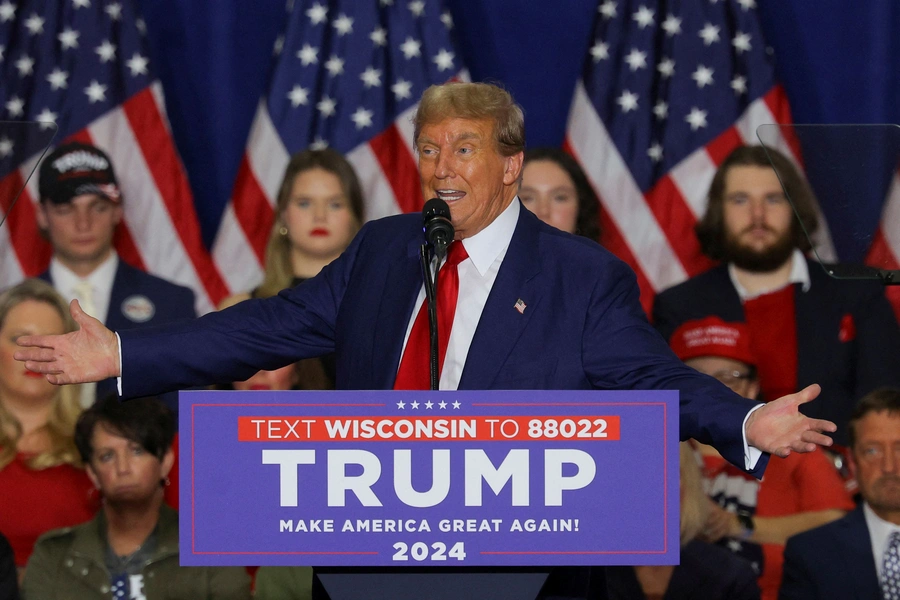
[[496, 494]]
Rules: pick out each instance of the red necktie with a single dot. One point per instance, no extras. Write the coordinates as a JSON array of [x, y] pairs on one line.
[[414, 372]]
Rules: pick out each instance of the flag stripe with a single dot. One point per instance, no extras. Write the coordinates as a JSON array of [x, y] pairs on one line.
[[253, 210], [399, 167]]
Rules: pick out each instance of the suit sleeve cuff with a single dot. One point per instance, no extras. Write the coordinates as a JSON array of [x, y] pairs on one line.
[[751, 454]]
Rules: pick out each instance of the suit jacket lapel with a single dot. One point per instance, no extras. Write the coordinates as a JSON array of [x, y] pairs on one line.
[[501, 324], [859, 559], [404, 280], [120, 286]]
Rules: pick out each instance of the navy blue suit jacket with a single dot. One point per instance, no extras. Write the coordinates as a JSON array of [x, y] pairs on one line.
[[846, 370], [832, 561], [152, 301], [582, 328]]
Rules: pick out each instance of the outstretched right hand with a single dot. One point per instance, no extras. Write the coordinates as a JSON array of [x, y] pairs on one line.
[[89, 354]]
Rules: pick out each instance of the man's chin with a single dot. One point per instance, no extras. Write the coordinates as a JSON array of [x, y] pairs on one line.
[[758, 261]]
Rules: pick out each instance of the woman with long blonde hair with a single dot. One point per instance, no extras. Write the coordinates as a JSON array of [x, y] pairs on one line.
[[41, 477], [318, 211]]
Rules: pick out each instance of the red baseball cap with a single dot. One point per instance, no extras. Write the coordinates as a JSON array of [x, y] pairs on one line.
[[711, 336]]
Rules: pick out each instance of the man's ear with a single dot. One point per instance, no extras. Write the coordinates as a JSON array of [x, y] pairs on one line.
[[168, 461], [41, 216], [513, 168], [118, 213]]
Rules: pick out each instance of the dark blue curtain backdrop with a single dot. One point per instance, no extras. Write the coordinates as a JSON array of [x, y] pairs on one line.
[[839, 61]]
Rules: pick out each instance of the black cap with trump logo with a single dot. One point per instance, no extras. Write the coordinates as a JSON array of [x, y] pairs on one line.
[[74, 169]]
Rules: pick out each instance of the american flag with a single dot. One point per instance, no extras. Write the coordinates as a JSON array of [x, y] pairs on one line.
[[667, 91], [83, 64], [346, 74]]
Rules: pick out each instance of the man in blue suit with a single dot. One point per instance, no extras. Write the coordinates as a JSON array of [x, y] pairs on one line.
[[80, 208], [857, 557], [536, 309]]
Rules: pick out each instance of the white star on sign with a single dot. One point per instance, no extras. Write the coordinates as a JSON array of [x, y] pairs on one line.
[[411, 48], [25, 66], [442, 404], [643, 17], [661, 110], [371, 77], [47, 119], [666, 67], [317, 14], [334, 65], [7, 11], [741, 42], [34, 24], [378, 36], [739, 84], [95, 92], [326, 106], [447, 19], [443, 60], [15, 106], [298, 95], [696, 118], [429, 404], [600, 51], [628, 101], [81, 3], [6, 147], [655, 152], [456, 404], [709, 33], [362, 118], [137, 64], [414, 405], [672, 25], [114, 11], [402, 89], [401, 404], [58, 79], [343, 25], [416, 8], [703, 76], [68, 39], [636, 59], [308, 55], [607, 9], [106, 51]]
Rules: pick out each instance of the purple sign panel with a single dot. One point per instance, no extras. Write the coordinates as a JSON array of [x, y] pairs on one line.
[[470, 478]]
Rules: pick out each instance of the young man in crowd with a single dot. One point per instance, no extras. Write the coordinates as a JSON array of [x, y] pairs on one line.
[[806, 327]]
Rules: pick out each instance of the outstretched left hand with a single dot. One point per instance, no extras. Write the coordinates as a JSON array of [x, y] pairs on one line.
[[780, 428]]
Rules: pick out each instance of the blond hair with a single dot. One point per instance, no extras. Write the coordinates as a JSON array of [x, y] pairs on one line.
[[60, 425], [475, 101], [695, 505]]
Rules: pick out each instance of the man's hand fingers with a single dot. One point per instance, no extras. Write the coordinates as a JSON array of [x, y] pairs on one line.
[[45, 367], [815, 438], [822, 425], [34, 355], [809, 393]]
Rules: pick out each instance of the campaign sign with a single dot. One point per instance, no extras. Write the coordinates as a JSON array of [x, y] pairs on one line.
[[469, 478]]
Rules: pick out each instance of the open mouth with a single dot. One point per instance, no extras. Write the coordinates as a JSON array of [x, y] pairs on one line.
[[449, 195]]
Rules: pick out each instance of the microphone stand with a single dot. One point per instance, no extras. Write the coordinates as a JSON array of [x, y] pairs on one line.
[[431, 301]]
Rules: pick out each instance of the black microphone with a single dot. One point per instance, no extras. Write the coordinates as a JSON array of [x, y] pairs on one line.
[[437, 226]]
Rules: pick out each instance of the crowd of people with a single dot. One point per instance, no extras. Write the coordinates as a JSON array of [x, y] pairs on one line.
[[87, 508]]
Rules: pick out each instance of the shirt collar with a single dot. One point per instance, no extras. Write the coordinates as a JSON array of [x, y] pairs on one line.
[[485, 246], [879, 529], [101, 278], [799, 274]]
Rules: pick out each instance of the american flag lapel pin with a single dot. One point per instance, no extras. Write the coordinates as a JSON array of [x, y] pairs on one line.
[[520, 306]]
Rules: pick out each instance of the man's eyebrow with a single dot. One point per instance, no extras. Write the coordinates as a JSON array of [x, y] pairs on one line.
[[466, 135]]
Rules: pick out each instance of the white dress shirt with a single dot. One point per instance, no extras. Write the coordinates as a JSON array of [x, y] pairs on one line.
[[879, 535], [486, 250], [101, 280]]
